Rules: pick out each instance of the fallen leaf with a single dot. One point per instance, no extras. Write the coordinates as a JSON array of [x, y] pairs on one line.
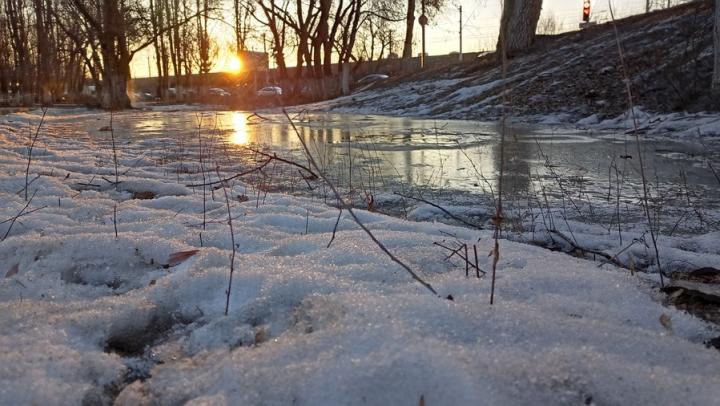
[[260, 336], [143, 195], [13, 270], [666, 321], [180, 256]]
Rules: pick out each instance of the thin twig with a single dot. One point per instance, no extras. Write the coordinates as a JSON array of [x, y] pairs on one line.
[[575, 246], [335, 228], [30, 150], [646, 199], [238, 175], [23, 214], [274, 156], [202, 170], [112, 137], [115, 219], [468, 263], [352, 213], [477, 263], [633, 242], [717, 177], [498, 218], [232, 240], [20, 214]]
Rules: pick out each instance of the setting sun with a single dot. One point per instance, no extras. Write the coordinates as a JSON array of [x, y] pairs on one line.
[[235, 65]]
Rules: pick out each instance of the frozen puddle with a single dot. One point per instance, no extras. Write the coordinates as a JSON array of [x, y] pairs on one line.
[[91, 317]]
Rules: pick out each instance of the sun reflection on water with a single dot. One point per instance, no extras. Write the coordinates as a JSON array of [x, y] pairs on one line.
[[239, 135]]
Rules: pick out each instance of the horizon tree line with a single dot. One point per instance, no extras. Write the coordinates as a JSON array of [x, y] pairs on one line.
[[51, 48]]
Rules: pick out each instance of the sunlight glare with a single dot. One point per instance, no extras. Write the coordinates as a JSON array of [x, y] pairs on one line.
[[235, 65], [239, 136]]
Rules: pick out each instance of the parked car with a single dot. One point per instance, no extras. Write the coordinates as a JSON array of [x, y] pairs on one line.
[[270, 91], [144, 96], [372, 78], [216, 91]]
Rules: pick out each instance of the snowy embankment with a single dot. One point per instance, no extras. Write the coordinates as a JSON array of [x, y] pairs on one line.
[[90, 316], [574, 78], [436, 99]]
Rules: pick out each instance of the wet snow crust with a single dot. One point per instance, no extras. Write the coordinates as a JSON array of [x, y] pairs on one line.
[[91, 317]]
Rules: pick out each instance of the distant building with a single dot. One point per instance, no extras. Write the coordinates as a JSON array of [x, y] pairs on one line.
[[254, 61]]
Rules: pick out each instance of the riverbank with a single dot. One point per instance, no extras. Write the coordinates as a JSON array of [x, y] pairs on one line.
[[573, 78]]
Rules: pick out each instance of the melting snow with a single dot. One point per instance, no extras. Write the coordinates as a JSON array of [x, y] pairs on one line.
[[91, 317]]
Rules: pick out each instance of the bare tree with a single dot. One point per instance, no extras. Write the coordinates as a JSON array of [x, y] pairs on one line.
[[346, 41], [119, 26], [243, 10], [271, 12], [45, 50], [17, 23]]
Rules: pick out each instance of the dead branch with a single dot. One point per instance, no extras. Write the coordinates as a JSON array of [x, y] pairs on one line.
[[20, 214], [717, 177], [258, 116], [335, 228], [468, 264], [609, 258], [238, 175], [454, 217], [274, 156]]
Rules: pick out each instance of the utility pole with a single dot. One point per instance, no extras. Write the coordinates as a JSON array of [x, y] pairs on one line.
[[647, 6], [460, 56]]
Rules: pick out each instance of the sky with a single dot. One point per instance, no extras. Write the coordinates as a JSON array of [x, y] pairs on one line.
[[481, 21]]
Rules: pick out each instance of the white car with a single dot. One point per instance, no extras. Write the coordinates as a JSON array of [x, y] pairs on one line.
[[270, 91], [372, 78], [219, 92]]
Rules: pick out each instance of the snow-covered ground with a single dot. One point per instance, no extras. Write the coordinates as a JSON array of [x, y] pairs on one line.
[[88, 316]]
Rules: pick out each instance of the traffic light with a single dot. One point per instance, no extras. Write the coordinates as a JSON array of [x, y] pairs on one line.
[[586, 11]]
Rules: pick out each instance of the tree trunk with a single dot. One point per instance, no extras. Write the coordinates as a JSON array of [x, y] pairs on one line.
[[716, 49], [44, 69], [321, 38], [116, 58], [114, 90], [518, 25], [409, 26]]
